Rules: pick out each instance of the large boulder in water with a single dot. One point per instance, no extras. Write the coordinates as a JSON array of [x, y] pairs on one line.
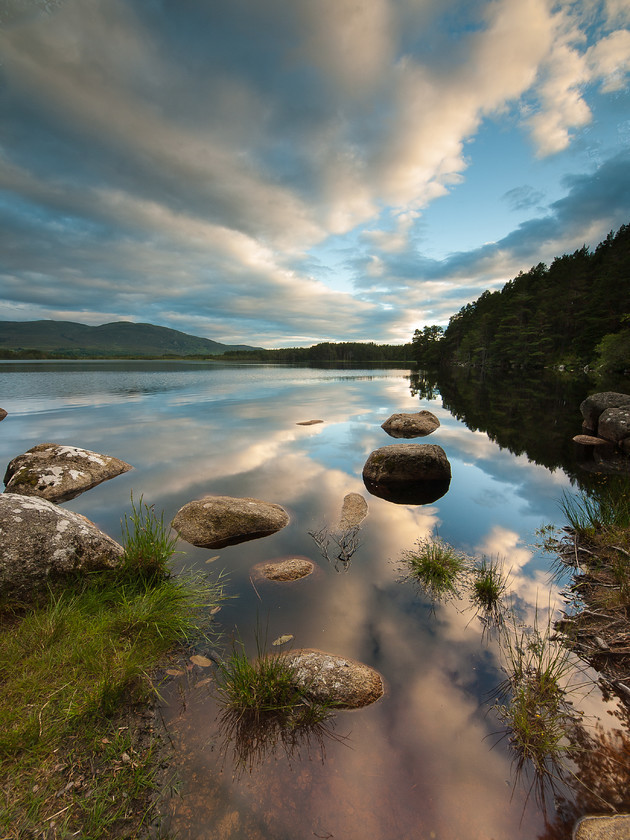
[[218, 521], [335, 679], [614, 424], [420, 424], [408, 473], [594, 405], [59, 473], [40, 541]]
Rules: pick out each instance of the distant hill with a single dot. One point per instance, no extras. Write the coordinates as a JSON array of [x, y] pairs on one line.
[[122, 338]]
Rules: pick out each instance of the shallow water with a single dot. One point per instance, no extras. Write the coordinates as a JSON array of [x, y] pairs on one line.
[[427, 760]]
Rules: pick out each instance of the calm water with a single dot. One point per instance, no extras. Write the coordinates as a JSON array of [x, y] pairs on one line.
[[427, 760]]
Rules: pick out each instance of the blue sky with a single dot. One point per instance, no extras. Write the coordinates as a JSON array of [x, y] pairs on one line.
[[283, 172]]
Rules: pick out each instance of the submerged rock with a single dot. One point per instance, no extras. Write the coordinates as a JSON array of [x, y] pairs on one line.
[[59, 473], [408, 473], [41, 541], [353, 512], [218, 521], [293, 568], [419, 424], [335, 679]]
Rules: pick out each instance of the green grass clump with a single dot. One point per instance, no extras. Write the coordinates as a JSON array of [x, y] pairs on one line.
[[73, 667], [488, 586], [147, 542], [264, 708], [602, 509], [436, 566]]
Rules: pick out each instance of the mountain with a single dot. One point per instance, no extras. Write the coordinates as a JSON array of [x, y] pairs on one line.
[[122, 338]]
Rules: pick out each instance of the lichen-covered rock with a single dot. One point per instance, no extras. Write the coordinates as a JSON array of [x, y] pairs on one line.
[[293, 568], [408, 473], [420, 424], [218, 521], [353, 511], [335, 679], [59, 473], [614, 424], [592, 407], [40, 541]]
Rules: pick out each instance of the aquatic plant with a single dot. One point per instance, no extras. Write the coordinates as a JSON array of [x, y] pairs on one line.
[[265, 709], [488, 586], [436, 566]]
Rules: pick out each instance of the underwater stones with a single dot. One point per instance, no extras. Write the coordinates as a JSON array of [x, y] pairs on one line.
[[408, 473], [293, 568], [419, 424], [59, 473], [219, 521], [335, 679], [610, 827], [41, 540], [353, 511]]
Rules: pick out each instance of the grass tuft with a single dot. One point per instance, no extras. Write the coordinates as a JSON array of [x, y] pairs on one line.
[[147, 542], [264, 709], [436, 566], [488, 586]]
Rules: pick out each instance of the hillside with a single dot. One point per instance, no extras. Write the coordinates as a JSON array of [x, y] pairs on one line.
[[123, 338], [574, 312]]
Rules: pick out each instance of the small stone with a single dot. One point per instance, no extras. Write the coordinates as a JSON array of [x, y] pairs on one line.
[[614, 827], [420, 424], [335, 679], [590, 440], [309, 422], [353, 511], [294, 568]]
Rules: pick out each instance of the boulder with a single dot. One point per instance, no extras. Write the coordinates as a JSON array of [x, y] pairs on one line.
[[3, 413], [218, 521], [411, 425], [614, 424], [595, 404], [40, 541], [335, 679], [353, 512], [59, 473], [293, 568], [408, 473]]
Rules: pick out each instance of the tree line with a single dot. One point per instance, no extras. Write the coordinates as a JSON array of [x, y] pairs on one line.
[[575, 312]]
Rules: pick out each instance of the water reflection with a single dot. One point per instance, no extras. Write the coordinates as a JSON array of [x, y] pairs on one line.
[[420, 762], [423, 492]]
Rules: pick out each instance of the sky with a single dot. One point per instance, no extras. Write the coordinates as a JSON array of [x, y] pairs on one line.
[[284, 172]]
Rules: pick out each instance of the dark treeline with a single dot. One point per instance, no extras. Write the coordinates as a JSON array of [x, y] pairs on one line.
[[349, 351], [574, 312]]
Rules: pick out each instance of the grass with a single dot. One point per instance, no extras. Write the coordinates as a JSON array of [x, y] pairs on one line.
[[78, 755], [436, 566], [264, 708], [488, 586], [535, 708], [147, 542], [603, 510]]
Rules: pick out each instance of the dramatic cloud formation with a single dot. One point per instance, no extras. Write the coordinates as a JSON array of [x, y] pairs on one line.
[[278, 172]]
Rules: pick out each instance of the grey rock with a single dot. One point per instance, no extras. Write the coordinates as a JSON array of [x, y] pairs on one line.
[[419, 424], [353, 511], [335, 679], [59, 473], [408, 473], [40, 541], [218, 521], [614, 424], [595, 404]]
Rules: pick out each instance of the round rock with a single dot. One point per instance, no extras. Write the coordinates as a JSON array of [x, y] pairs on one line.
[[335, 679], [293, 568], [411, 425], [408, 473], [59, 473], [592, 407], [41, 541], [219, 521], [614, 424]]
